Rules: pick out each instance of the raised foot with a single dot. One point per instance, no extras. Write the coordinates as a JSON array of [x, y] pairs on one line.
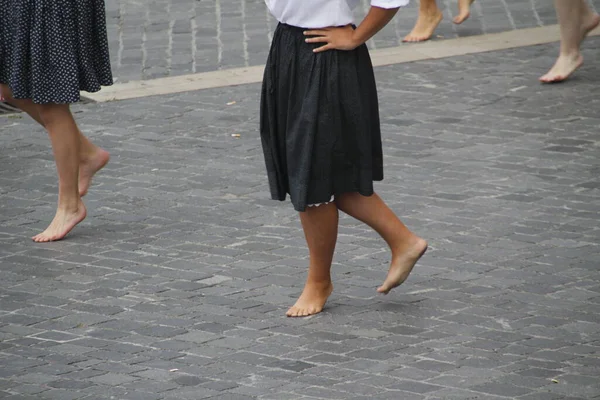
[[464, 11], [564, 66], [590, 24], [312, 300], [425, 26], [63, 222], [88, 169], [402, 265]]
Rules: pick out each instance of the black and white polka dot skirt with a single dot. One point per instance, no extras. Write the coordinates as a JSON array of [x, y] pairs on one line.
[[50, 50]]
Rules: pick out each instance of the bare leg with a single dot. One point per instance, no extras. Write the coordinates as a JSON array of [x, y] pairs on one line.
[[320, 226], [406, 247], [464, 11], [576, 20], [92, 158], [429, 18], [59, 122]]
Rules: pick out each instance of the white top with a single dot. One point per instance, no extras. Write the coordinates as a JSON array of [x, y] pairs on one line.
[[321, 13]]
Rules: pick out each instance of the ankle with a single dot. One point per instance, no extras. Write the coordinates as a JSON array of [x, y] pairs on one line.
[[318, 282], [408, 245], [69, 205], [570, 53], [88, 155], [429, 11]]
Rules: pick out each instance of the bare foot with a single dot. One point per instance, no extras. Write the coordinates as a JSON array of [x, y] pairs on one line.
[[62, 224], [425, 26], [565, 65], [87, 169], [402, 265], [464, 11], [591, 22], [312, 300]]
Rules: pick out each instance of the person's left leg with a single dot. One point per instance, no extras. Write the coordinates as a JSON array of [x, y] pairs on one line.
[[91, 157]]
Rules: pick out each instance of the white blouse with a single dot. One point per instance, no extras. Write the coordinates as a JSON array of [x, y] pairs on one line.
[[321, 13]]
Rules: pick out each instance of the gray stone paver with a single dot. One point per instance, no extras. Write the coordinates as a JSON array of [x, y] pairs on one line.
[[158, 38], [176, 285]]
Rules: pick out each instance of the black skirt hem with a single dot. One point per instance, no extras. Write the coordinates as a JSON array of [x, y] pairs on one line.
[[368, 193]]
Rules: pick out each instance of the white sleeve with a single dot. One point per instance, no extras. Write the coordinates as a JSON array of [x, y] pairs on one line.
[[389, 3]]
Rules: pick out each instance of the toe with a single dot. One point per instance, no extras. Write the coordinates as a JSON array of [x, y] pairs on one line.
[[295, 312], [553, 79]]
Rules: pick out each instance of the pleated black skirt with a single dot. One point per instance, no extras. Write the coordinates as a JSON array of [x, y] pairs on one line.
[[52, 49], [319, 123]]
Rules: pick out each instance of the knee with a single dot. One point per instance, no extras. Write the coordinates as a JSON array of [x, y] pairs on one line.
[[49, 113], [5, 93]]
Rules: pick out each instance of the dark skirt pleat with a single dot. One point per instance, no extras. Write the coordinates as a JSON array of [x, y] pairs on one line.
[[50, 50], [319, 121]]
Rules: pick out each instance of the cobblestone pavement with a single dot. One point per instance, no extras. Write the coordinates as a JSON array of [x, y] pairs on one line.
[[176, 285], [157, 38]]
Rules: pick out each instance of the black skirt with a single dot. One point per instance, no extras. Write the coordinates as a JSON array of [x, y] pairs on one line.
[[319, 121], [52, 49]]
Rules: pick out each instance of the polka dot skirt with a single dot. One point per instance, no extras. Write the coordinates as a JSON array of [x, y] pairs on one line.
[[52, 49]]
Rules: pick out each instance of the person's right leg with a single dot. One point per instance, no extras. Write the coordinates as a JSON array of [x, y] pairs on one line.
[[429, 18], [576, 20], [320, 224], [91, 159], [406, 247], [63, 132]]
